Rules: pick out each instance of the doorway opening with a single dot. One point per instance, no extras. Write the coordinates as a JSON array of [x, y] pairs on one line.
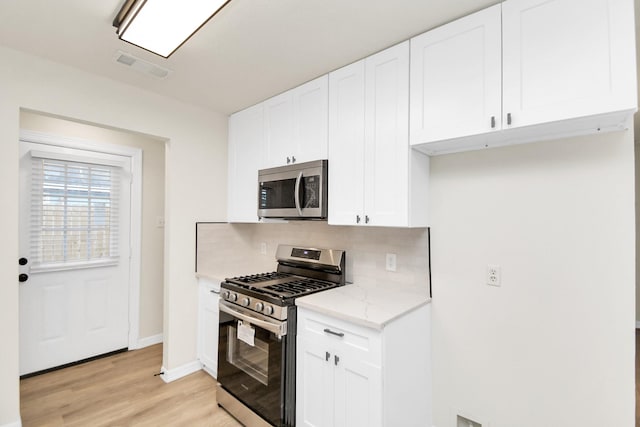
[[145, 305]]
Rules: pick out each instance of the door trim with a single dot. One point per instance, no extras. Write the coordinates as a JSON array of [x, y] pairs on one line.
[[135, 232]]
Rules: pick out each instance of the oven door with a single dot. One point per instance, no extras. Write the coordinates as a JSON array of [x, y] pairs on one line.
[[251, 354]]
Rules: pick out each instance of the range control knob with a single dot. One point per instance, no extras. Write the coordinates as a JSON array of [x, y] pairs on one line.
[[259, 306], [233, 297], [268, 310], [245, 302], [226, 294]]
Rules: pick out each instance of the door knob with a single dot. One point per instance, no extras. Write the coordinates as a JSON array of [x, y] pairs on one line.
[[23, 277], [23, 261]]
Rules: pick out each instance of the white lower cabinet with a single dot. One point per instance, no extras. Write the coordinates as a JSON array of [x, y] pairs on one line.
[[208, 318], [352, 376]]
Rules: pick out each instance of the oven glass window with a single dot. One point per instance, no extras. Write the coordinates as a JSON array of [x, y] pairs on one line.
[[254, 361]]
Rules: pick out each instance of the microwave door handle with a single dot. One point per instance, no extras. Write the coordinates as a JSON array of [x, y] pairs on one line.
[[297, 193]]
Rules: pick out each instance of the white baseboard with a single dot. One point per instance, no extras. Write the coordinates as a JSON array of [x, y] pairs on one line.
[[212, 372], [147, 341], [13, 424], [181, 371]]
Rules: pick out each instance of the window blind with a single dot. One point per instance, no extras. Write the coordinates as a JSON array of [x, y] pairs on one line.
[[74, 213]]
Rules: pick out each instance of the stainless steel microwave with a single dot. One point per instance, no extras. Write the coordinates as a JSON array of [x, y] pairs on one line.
[[297, 191]]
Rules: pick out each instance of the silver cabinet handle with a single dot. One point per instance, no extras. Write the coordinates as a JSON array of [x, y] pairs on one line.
[[508, 118], [338, 334], [366, 219], [327, 355], [357, 219], [336, 359], [293, 159], [288, 160], [493, 122]]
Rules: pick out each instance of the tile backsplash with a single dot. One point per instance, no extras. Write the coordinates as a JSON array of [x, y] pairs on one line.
[[225, 250]]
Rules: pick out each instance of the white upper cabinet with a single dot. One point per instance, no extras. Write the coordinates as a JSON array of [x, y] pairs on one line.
[[246, 137], [310, 120], [278, 130], [296, 125], [523, 71], [567, 58], [456, 79], [386, 134], [374, 179], [346, 145]]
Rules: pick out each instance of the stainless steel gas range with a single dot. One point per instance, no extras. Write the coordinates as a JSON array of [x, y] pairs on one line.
[[257, 340]]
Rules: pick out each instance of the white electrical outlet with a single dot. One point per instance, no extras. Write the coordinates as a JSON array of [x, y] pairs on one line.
[[391, 262], [493, 275], [263, 248]]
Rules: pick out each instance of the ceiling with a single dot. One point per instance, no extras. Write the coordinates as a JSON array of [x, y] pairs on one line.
[[249, 51]]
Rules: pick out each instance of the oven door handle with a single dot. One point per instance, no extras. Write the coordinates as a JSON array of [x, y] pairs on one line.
[[278, 328], [297, 193]]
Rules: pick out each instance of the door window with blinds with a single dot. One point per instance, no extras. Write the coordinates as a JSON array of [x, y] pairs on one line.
[[74, 213]]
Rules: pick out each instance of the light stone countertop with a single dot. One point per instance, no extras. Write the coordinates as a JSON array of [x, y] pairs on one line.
[[372, 306]]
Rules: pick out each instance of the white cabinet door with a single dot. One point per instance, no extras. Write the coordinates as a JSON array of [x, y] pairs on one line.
[[278, 125], [346, 145], [310, 121], [371, 171], [314, 384], [566, 58], [246, 136], [339, 379], [456, 85], [358, 392], [208, 318], [296, 125], [386, 161]]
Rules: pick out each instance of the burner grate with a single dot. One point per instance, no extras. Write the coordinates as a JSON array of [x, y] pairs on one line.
[[298, 287], [261, 277]]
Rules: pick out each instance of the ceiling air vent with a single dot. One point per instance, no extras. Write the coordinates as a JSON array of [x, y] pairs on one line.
[[141, 65]]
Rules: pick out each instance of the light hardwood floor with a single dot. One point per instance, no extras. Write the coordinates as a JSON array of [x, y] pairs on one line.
[[121, 390]]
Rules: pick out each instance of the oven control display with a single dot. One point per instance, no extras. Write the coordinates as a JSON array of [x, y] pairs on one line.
[[305, 253]]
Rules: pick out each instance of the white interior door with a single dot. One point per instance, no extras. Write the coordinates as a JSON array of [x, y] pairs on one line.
[[74, 236]]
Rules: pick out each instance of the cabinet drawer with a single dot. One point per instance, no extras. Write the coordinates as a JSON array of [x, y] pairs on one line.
[[363, 343]]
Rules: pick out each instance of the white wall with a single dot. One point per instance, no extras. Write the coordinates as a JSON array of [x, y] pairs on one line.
[[195, 188], [554, 345]]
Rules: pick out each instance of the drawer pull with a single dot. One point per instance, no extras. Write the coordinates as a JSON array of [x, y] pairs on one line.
[[338, 334], [327, 355]]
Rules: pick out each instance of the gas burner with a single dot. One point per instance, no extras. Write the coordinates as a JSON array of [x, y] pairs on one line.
[[300, 272]]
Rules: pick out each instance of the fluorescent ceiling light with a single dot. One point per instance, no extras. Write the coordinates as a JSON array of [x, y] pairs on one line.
[[162, 26]]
